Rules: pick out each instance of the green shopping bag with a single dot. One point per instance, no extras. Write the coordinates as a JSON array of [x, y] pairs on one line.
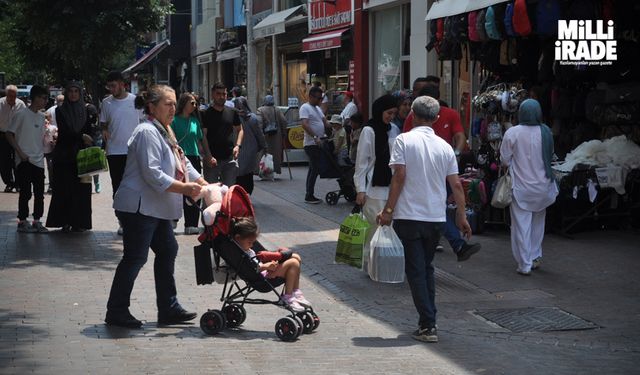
[[351, 240], [91, 160]]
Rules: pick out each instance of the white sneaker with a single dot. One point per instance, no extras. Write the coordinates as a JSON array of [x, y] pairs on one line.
[[293, 303], [191, 230]]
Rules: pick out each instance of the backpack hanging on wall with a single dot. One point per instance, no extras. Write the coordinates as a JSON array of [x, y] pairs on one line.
[[450, 47], [490, 24], [521, 23], [472, 19], [480, 30], [548, 14], [508, 21], [433, 38]]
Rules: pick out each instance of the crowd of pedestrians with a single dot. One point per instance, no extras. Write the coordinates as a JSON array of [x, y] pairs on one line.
[[162, 149]]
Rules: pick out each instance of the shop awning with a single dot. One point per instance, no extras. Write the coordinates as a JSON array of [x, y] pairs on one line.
[[228, 54], [318, 42], [446, 8], [153, 52], [275, 23]]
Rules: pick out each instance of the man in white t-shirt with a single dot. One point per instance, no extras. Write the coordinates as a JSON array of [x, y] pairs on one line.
[[118, 118], [314, 124], [9, 105], [26, 135], [422, 163], [349, 110]]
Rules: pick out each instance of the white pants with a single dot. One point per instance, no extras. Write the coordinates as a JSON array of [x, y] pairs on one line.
[[527, 232], [370, 210]]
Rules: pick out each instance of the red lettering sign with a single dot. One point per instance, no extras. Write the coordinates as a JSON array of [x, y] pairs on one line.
[[329, 15]]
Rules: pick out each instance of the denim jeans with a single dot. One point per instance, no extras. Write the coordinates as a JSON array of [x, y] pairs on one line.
[[140, 233], [419, 239], [313, 153]]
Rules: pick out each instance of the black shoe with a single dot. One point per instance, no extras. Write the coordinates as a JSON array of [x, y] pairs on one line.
[[467, 250], [8, 189], [175, 316], [311, 199], [122, 320]]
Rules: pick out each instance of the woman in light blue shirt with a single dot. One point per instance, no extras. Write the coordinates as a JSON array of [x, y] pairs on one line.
[[156, 176]]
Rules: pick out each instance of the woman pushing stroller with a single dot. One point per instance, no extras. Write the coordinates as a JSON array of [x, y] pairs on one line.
[[244, 231]]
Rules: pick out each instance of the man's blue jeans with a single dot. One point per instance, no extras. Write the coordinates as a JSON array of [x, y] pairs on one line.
[[419, 239], [313, 153], [140, 233]]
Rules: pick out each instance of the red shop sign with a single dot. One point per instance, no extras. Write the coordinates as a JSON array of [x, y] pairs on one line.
[[329, 15]]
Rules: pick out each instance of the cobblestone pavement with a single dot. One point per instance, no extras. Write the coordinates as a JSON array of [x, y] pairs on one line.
[[54, 289]]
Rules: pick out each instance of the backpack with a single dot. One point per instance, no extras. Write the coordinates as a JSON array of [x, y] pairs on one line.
[[460, 28], [548, 14], [480, 20], [433, 41], [521, 23], [450, 47], [508, 21], [472, 19], [490, 24]]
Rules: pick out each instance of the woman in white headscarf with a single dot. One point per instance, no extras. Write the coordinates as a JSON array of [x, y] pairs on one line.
[[70, 207], [269, 114]]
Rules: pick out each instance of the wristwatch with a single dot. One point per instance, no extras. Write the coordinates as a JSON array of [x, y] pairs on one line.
[[388, 210]]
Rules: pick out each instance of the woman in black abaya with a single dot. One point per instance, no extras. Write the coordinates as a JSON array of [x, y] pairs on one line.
[[70, 207]]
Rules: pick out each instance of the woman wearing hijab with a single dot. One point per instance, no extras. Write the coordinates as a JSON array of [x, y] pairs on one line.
[[267, 114], [253, 144], [373, 175], [527, 150], [70, 207], [149, 199], [404, 107]]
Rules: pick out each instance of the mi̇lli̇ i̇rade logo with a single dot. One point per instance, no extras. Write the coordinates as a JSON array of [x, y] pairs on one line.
[[585, 42]]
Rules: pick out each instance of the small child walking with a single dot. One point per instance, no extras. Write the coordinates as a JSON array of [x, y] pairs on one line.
[[244, 232], [26, 133]]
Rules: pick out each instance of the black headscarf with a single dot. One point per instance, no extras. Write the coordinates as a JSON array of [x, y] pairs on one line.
[[74, 113], [381, 170]]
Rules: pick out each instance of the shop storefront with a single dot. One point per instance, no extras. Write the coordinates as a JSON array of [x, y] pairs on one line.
[[329, 48]]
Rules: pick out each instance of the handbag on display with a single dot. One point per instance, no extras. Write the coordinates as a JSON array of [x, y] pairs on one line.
[[91, 161], [351, 240], [386, 259], [502, 195]]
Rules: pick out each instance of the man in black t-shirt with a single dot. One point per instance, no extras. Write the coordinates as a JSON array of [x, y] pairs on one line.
[[222, 128]]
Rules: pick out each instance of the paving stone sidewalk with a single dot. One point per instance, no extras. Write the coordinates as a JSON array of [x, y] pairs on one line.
[[54, 289]]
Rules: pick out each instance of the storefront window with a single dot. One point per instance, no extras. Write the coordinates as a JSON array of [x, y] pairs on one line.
[[387, 44]]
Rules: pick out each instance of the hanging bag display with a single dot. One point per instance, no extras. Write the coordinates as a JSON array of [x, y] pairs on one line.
[[502, 195], [91, 160], [386, 259], [351, 240]]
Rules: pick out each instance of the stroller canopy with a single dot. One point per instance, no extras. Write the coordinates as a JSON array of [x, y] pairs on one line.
[[236, 203]]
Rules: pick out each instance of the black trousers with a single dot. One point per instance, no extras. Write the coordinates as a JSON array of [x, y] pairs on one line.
[[116, 170], [27, 176], [246, 181], [7, 163], [192, 213]]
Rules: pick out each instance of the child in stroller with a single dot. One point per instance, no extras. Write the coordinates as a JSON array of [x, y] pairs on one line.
[[233, 238], [244, 232]]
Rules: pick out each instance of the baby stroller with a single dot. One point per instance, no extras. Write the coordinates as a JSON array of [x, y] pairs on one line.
[[329, 167], [241, 275]]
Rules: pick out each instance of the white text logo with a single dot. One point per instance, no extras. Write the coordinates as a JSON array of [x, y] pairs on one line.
[[585, 42]]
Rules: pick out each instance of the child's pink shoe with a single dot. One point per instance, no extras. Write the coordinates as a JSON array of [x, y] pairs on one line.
[[297, 294], [292, 302]]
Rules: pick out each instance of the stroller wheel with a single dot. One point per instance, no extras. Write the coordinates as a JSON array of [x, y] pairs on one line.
[[234, 314], [212, 322], [350, 195], [287, 329], [299, 323], [332, 198], [307, 321], [316, 320]]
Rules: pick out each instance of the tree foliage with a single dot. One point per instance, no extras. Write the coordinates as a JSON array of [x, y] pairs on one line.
[[81, 39]]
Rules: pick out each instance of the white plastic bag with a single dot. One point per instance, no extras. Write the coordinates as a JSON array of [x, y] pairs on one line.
[[386, 259], [266, 167]]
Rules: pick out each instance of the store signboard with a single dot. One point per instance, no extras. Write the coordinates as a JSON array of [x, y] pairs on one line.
[[352, 76], [329, 15]]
